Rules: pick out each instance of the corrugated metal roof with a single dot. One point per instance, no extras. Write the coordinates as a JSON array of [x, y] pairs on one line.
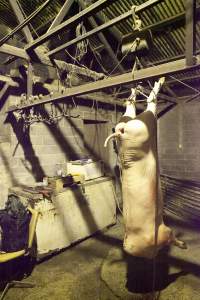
[[171, 44], [168, 41]]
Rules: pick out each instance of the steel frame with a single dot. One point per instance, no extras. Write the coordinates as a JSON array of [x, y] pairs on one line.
[[179, 65], [62, 13], [103, 39], [15, 51], [20, 17], [24, 23], [138, 75], [86, 13], [190, 31], [104, 26]]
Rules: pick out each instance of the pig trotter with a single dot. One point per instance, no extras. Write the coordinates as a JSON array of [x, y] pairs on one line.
[[180, 244]]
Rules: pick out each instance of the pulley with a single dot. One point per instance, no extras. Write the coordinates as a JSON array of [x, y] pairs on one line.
[[137, 43]]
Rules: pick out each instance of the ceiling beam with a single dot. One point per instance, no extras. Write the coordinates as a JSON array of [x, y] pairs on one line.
[[190, 31], [28, 36], [62, 13], [113, 30], [18, 13], [138, 75], [15, 51], [110, 23], [24, 23], [103, 39], [8, 80], [4, 89], [86, 13], [161, 24], [102, 97], [70, 22]]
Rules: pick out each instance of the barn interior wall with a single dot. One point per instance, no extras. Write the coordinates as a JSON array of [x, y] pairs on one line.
[[178, 141], [26, 156]]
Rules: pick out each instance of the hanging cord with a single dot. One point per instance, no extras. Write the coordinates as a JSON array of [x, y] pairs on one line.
[[97, 59], [136, 41], [85, 67], [78, 62], [178, 80], [185, 84]]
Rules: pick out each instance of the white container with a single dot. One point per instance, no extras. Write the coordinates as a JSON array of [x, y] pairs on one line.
[[91, 170]]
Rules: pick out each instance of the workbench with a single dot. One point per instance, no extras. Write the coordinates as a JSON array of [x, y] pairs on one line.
[[71, 215]]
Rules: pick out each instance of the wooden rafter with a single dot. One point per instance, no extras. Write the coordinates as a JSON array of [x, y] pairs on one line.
[[103, 39], [100, 28], [62, 13], [15, 51], [17, 10]]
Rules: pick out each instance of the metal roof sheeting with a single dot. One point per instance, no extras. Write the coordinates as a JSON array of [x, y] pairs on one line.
[[168, 40]]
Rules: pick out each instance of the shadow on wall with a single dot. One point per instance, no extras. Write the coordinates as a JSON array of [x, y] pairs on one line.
[[7, 166], [23, 137], [24, 140], [89, 149], [87, 146], [65, 146], [4, 98], [29, 153]]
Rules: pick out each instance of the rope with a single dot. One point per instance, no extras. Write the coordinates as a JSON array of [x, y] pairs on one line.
[[81, 46]]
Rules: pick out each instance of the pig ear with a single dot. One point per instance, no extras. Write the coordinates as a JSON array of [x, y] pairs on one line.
[[110, 137]]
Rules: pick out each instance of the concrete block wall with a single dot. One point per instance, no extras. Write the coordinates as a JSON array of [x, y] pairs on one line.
[[179, 141], [26, 157], [29, 155]]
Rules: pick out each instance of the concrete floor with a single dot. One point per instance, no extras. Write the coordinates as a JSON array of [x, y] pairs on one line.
[[97, 269]]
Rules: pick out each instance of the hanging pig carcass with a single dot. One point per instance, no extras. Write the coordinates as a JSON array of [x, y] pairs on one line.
[[145, 231]]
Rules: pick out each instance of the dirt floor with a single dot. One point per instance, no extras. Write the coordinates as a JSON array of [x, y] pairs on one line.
[[97, 269]]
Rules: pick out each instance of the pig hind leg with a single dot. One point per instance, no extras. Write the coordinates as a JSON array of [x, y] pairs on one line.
[[178, 243], [166, 237]]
